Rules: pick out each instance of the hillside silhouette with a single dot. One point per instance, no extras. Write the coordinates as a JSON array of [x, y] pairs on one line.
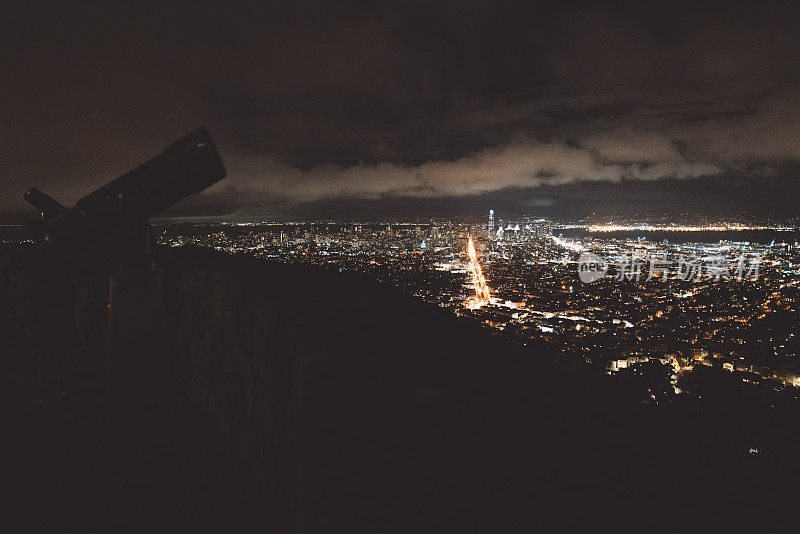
[[306, 400]]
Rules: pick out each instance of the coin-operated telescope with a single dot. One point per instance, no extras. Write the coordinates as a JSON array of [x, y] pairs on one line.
[[102, 247], [107, 229], [104, 240]]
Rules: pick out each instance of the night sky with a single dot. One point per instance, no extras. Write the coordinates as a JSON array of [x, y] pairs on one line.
[[349, 109]]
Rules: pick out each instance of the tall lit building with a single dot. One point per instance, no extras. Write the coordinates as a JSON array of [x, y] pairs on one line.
[[491, 221]]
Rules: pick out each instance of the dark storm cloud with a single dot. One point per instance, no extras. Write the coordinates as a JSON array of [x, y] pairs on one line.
[[313, 102]]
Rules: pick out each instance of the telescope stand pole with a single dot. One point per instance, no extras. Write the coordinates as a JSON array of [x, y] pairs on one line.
[[139, 395]]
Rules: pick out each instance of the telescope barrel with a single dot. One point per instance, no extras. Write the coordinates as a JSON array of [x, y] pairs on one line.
[[46, 204], [187, 166]]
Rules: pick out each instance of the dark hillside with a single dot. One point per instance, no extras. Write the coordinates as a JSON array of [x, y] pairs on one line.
[[317, 401]]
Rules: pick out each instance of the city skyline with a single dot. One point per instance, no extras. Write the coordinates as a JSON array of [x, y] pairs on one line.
[[669, 301]]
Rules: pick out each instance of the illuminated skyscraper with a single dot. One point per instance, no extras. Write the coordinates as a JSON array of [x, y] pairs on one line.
[[491, 221]]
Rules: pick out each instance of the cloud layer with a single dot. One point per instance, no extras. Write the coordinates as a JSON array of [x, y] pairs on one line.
[[312, 101], [518, 164]]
